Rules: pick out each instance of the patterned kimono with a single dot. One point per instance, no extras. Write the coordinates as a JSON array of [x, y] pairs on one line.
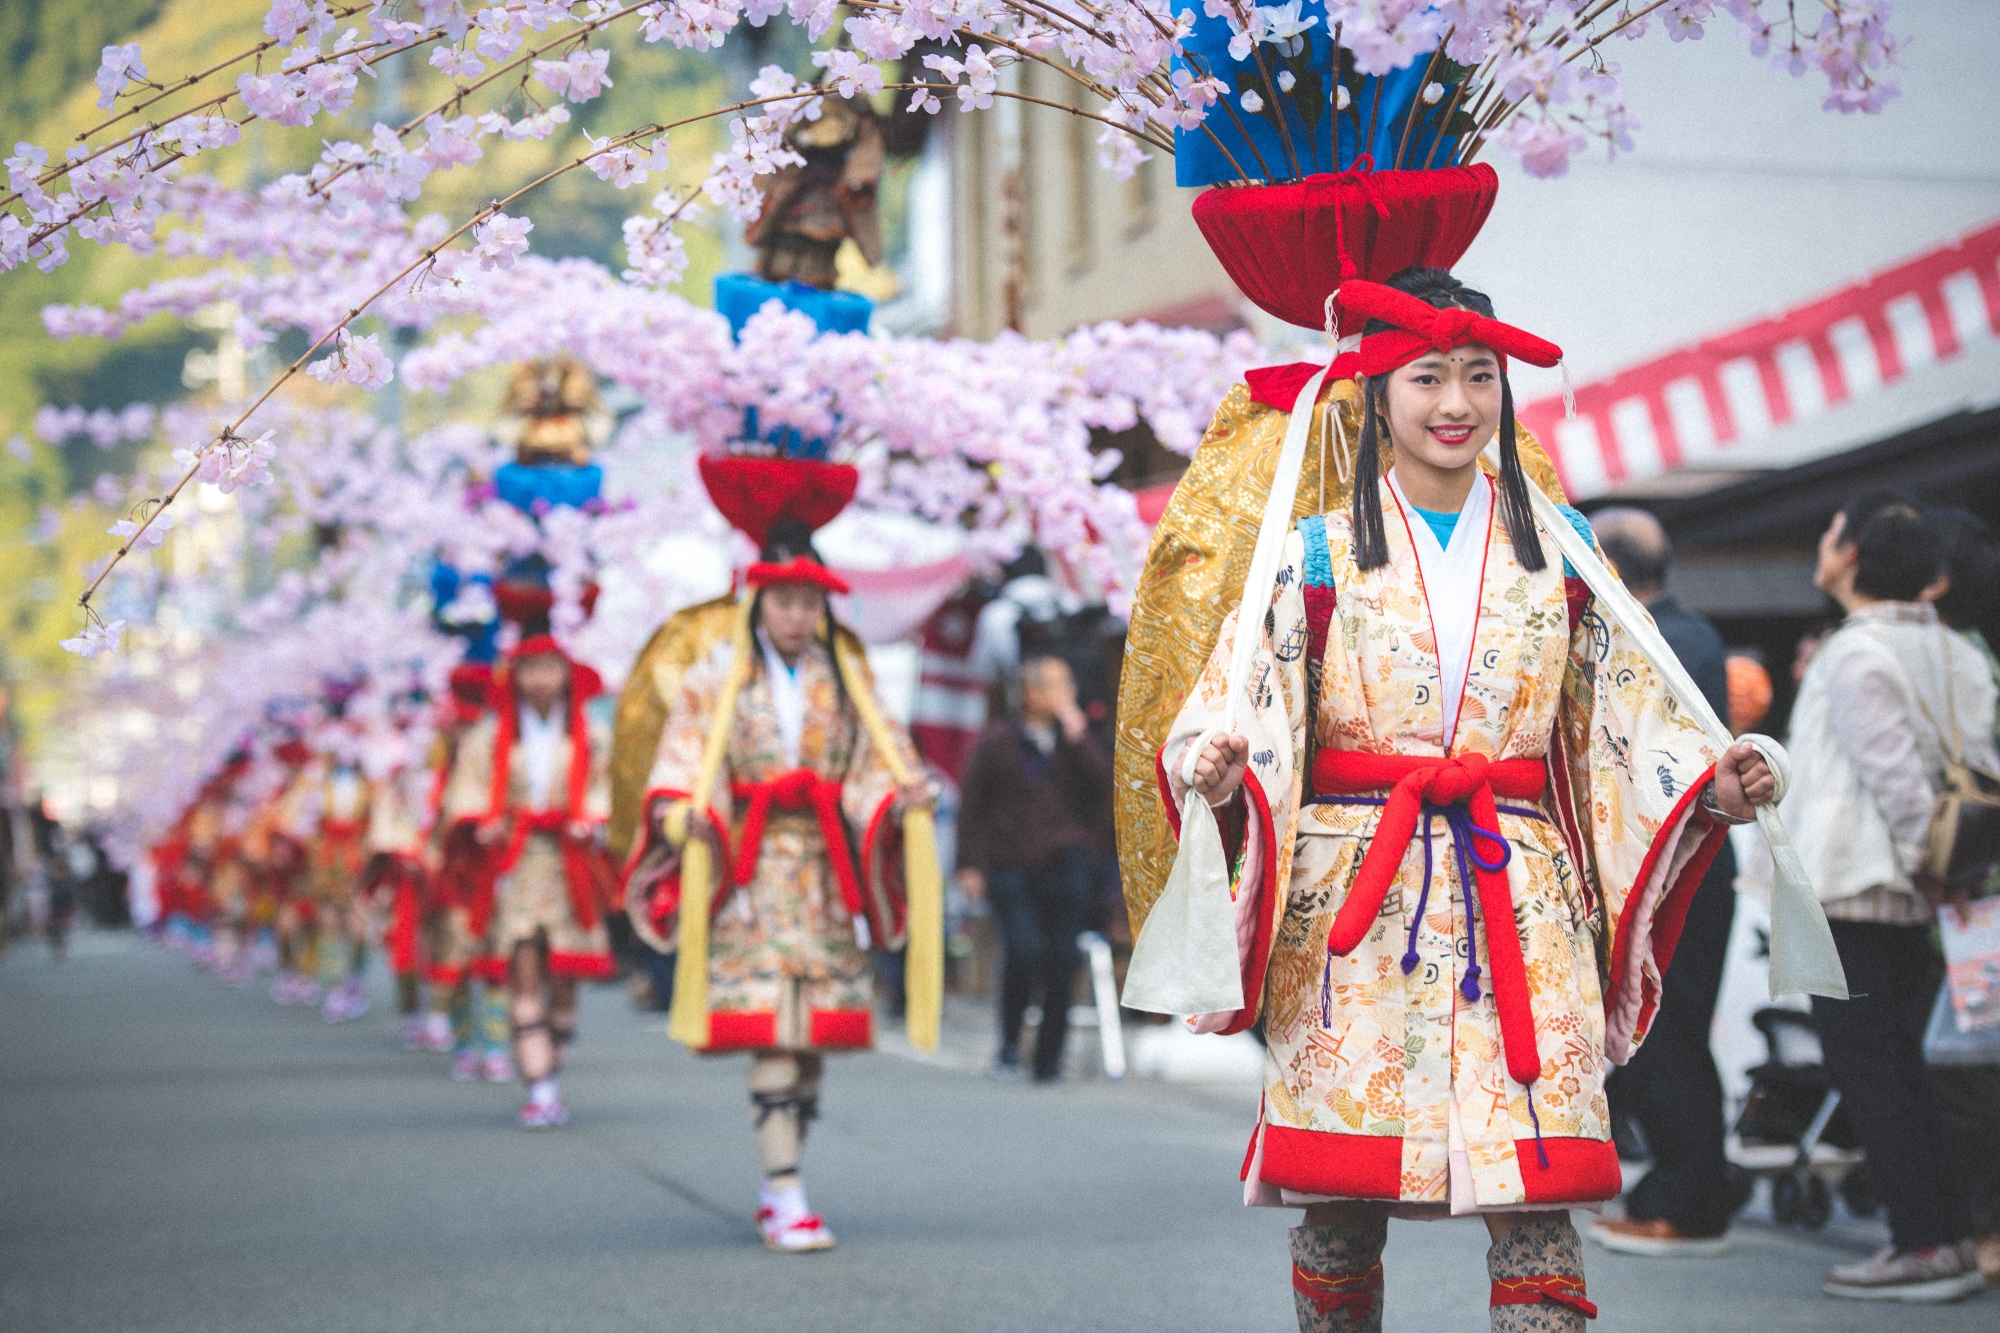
[[804, 842], [541, 881], [341, 798], [276, 848], [1448, 721], [399, 820]]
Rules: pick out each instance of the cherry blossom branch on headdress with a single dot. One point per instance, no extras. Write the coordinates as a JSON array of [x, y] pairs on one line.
[[1538, 85], [1534, 92]]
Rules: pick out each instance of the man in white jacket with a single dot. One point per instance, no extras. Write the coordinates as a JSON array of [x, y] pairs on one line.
[[1887, 696]]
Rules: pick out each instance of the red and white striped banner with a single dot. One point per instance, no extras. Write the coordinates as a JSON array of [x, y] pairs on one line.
[[1694, 404]]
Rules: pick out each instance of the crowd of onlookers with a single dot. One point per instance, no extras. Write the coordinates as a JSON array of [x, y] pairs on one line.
[[1891, 696], [49, 875]]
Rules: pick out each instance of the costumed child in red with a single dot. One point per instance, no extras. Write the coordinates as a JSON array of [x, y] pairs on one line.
[[531, 780], [338, 858], [770, 804], [275, 848]]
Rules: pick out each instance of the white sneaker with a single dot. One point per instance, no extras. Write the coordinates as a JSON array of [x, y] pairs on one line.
[[436, 1035], [787, 1225], [345, 1002], [1941, 1273]]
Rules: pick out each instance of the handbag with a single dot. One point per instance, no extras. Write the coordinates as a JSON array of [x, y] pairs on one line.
[[1963, 841]]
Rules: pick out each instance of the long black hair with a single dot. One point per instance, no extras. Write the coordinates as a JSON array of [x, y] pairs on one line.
[[1437, 287], [786, 540]]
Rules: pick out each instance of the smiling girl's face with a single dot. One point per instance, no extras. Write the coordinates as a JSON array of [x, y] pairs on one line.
[[1443, 409]]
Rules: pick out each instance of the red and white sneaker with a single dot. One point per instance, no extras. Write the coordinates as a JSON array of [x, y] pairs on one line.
[[543, 1115], [787, 1225], [497, 1067]]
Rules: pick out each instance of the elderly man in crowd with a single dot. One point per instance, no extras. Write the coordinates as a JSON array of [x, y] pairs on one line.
[[1671, 1089]]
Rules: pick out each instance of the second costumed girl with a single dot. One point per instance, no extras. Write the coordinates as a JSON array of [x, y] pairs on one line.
[[777, 802]]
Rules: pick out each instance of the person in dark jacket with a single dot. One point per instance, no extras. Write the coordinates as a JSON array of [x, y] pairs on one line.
[[1671, 1089], [1035, 796]]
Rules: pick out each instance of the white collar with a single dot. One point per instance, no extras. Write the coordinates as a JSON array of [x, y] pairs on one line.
[[1452, 575], [788, 699], [539, 738]]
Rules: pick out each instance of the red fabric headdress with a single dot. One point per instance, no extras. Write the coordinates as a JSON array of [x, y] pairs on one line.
[[755, 492], [528, 604], [799, 569], [1289, 247], [1421, 328]]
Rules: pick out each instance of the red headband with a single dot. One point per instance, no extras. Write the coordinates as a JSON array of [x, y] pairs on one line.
[[584, 682], [797, 570], [1421, 328], [535, 645]]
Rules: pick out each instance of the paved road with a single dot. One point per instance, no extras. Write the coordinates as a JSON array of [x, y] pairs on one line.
[[176, 1156]]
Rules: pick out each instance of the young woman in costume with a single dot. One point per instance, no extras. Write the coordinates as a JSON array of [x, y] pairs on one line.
[[776, 727], [1439, 733], [531, 780]]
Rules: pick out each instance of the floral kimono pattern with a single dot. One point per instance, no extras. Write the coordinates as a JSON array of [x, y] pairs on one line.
[[1410, 1059], [548, 877], [342, 800], [802, 854]]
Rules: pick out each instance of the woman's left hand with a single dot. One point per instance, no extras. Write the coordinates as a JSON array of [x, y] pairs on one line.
[[1743, 781]]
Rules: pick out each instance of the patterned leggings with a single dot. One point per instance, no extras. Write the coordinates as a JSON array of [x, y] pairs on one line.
[[784, 1100], [1536, 1270]]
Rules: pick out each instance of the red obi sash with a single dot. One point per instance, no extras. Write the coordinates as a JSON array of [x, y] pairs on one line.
[[340, 843], [799, 789], [579, 874], [1461, 791]]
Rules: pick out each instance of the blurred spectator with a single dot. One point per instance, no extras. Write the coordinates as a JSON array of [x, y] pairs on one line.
[[1671, 1089], [1865, 766], [1749, 692], [1971, 1093], [1035, 795]]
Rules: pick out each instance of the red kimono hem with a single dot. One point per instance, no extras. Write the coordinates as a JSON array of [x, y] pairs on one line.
[[582, 966], [1367, 1166]]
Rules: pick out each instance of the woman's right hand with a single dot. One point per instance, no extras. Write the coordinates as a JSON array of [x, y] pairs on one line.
[[1219, 770]]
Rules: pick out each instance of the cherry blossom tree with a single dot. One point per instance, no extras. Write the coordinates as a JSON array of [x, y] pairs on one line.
[[1533, 78]]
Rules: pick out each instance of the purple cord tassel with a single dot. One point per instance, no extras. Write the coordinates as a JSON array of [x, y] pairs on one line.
[[1423, 898], [1536, 1121]]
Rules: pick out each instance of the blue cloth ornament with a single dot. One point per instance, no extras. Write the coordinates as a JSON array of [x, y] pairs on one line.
[[1385, 120], [738, 296], [542, 487]]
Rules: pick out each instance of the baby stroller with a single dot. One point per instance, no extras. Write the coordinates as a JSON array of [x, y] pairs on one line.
[[1793, 1131]]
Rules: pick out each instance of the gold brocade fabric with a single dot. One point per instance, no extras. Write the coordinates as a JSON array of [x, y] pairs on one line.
[[642, 708], [1193, 579]]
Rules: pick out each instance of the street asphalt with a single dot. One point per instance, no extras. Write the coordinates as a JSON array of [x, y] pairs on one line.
[[178, 1156]]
